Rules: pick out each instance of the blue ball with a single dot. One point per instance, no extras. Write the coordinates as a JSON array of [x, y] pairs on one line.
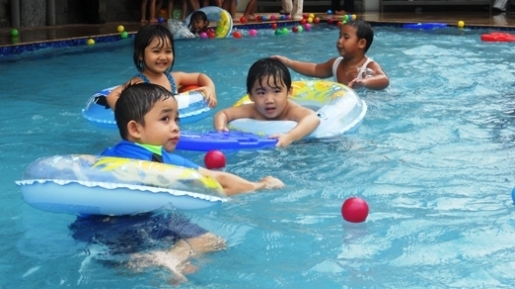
[[160, 20], [283, 17], [263, 18], [513, 195], [329, 12]]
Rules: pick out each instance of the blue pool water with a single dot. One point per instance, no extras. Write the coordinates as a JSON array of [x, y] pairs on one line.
[[433, 158]]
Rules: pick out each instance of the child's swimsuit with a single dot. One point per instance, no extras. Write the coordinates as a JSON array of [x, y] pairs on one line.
[[168, 75], [361, 72]]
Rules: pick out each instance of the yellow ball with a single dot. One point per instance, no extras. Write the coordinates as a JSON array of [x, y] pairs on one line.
[[311, 15], [354, 17], [91, 41], [120, 28], [461, 24], [310, 20]]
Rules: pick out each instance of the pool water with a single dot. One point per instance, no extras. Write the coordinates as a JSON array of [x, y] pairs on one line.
[[433, 158]]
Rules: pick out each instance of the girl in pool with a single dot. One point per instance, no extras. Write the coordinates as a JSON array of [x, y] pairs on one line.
[[154, 55]]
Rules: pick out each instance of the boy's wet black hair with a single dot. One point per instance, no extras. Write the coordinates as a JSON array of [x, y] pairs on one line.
[[135, 101], [198, 15], [363, 31], [143, 38], [265, 67]]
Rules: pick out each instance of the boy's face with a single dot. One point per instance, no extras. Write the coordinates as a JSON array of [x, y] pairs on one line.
[[161, 125], [158, 55], [198, 24], [348, 44], [270, 98]]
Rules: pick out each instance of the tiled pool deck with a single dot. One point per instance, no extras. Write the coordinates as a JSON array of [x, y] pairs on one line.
[[41, 37]]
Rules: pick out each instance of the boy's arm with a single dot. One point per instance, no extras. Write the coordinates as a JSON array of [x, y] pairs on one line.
[[225, 116], [206, 85], [377, 82], [320, 70], [307, 122], [233, 184]]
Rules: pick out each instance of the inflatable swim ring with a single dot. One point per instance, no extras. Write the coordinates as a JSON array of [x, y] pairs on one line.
[[340, 110], [192, 107], [94, 185], [218, 15], [498, 37], [424, 25]]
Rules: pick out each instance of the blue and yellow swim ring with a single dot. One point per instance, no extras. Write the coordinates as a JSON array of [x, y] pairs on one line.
[[218, 15], [95, 185]]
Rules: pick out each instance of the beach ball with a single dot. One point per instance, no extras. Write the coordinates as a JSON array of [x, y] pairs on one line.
[[120, 28], [461, 24], [160, 20], [90, 41], [300, 28], [243, 19], [303, 21], [283, 17], [272, 17], [274, 25], [307, 26], [253, 32], [203, 35], [355, 210], [310, 20], [14, 32], [124, 34], [329, 12], [316, 20], [236, 34], [295, 29], [214, 159]]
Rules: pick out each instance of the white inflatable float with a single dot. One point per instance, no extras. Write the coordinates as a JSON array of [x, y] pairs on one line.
[[94, 185]]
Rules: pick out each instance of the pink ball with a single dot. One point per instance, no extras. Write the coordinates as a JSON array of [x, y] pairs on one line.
[[214, 159], [307, 26], [253, 32], [355, 210], [272, 17], [203, 35], [288, 17]]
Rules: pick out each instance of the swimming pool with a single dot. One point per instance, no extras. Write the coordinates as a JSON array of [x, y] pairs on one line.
[[434, 159]]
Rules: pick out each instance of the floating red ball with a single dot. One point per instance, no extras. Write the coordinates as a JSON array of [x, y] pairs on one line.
[[355, 210], [316, 20], [236, 34], [214, 159], [274, 25], [303, 21], [211, 35]]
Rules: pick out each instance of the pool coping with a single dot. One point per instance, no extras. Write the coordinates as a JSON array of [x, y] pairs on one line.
[[17, 49]]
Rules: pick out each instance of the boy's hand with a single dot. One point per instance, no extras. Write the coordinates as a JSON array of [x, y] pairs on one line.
[[209, 95], [272, 183], [357, 83], [283, 140]]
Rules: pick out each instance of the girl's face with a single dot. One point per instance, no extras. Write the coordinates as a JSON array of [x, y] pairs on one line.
[[198, 25], [158, 55], [270, 98]]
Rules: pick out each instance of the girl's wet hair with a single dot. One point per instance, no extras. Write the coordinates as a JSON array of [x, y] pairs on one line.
[[198, 15], [266, 67], [135, 101], [363, 31], [143, 38]]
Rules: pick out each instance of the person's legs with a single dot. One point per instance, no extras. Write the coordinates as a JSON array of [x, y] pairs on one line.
[[144, 11], [250, 9], [296, 12], [152, 14], [287, 6], [230, 5], [170, 8]]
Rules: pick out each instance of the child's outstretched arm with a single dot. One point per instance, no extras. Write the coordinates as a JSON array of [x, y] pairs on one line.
[[225, 116], [307, 122], [320, 70], [206, 85], [233, 184], [378, 81]]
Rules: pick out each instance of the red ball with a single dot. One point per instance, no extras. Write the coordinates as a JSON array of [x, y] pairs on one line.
[[316, 20], [243, 19], [211, 35], [295, 29], [259, 18], [339, 23], [274, 25], [305, 16], [236, 34], [330, 20], [355, 210], [303, 21], [214, 159]]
